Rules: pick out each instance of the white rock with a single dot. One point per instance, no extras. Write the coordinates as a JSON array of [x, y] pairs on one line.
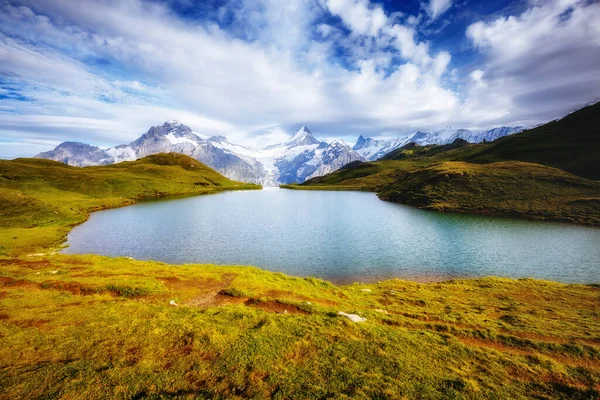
[[366, 290], [352, 317], [172, 303]]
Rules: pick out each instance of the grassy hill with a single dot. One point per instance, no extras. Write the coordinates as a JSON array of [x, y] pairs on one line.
[[51, 197], [503, 188], [571, 144], [519, 175]]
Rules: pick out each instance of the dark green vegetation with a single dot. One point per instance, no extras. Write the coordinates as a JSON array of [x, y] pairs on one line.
[[97, 327], [571, 144], [52, 197], [547, 172]]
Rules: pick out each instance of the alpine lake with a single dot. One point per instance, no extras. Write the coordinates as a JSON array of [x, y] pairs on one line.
[[342, 237]]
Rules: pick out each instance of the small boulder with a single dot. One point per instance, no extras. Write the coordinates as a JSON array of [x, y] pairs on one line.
[[352, 317]]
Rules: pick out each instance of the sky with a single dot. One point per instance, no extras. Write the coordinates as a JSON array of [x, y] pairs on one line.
[[103, 71]]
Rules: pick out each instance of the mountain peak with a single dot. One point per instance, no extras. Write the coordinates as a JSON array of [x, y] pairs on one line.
[[302, 137], [172, 122], [362, 142], [301, 133]]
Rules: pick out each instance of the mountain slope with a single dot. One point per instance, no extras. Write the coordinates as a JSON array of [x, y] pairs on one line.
[[371, 149], [571, 143], [299, 157], [171, 137]]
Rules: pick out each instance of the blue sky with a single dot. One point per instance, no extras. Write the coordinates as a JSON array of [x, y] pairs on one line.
[[104, 71]]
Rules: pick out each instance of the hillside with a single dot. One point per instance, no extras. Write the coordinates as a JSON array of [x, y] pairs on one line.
[[471, 177], [571, 144], [50, 196], [519, 189]]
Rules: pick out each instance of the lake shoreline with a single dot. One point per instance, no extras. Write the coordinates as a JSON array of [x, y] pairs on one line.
[[408, 243], [510, 214]]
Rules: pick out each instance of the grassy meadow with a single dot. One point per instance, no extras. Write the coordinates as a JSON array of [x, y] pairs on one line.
[[81, 327], [89, 326]]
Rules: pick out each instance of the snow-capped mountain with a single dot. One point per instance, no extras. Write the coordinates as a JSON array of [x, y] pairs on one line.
[[302, 156], [294, 160], [371, 149], [76, 154], [299, 158], [493, 134]]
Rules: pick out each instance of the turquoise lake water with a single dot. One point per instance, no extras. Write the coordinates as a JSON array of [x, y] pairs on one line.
[[340, 236]]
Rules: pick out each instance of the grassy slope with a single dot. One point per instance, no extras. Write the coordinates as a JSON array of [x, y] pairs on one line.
[[411, 174], [571, 144], [51, 197], [503, 188], [90, 327]]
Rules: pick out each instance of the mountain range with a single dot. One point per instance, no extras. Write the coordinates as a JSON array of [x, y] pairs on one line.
[[298, 159], [372, 149]]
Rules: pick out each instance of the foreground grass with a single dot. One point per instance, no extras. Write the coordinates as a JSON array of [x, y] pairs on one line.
[[91, 326], [40, 200]]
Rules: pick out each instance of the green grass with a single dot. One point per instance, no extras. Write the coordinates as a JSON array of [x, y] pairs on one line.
[[40, 200], [520, 175], [88, 326], [505, 188], [91, 327]]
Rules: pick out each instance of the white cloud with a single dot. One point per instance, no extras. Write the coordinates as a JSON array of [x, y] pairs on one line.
[[540, 64], [360, 16], [280, 76], [435, 8], [104, 71], [477, 75]]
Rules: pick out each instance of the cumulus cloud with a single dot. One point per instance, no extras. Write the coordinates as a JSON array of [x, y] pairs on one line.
[[201, 69], [541, 63], [359, 15]]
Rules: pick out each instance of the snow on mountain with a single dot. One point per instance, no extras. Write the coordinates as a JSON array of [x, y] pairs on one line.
[[373, 149], [291, 161], [303, 137], [76, 154], [300, 157], [494, 134], [331, 158]]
